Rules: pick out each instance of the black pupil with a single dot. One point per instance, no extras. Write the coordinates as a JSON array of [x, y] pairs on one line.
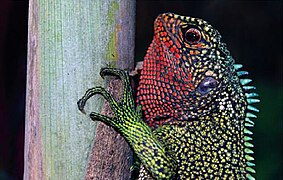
[[192, 36]]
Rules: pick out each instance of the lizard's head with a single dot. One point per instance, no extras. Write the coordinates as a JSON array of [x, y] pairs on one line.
[[185, 68]]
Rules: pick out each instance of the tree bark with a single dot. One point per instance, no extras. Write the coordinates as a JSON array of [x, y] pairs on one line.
[[68, 43]]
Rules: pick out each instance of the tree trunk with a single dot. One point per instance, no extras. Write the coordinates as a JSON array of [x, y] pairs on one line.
[[68, 43]]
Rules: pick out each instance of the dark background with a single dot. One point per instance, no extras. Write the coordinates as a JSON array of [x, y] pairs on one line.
[[251, 29]]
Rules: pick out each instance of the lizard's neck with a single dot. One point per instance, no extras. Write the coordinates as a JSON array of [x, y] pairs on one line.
[[214, 142]]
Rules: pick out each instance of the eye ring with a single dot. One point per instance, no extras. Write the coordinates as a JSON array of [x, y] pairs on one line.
[[192, 36]]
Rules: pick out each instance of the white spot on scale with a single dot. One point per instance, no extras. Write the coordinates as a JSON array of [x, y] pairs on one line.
[[206, 28]]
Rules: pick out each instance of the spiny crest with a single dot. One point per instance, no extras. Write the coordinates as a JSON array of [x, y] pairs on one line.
[[251, 98]]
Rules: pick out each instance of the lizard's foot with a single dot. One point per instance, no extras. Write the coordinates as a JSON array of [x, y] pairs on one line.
[[128, 121], [122, 110]]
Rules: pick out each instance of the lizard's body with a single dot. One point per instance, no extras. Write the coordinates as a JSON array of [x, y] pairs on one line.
[[195, 106]]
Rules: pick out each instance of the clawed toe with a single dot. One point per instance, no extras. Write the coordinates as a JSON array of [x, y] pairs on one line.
[[81, 105], [119, 108], [112, 71]]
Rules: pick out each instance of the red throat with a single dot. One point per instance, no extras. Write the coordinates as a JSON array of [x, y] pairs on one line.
[[165, 82]]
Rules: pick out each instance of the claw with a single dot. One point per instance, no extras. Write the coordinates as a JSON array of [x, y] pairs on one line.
[[126, 100], [117, 72], [82, 110], [96, 116], [105, 119], [96, 90], [123, 75], [81, 105]]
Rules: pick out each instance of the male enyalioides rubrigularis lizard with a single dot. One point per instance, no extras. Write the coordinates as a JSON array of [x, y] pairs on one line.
[[194, 109]]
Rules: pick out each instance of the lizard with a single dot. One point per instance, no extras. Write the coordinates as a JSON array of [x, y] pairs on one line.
[[194, 109]]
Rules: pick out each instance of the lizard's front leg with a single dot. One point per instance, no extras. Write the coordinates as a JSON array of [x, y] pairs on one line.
[[128, 121]]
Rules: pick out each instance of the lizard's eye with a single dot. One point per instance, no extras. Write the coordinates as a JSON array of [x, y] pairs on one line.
[[192, 36], [207, 85]]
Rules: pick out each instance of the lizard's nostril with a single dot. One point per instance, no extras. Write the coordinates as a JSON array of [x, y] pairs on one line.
[[207, 85]]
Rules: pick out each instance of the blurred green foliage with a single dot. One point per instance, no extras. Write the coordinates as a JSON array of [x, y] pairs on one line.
[[268, 131]]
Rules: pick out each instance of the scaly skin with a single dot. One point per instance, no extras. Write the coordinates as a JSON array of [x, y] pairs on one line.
[[195, 105]]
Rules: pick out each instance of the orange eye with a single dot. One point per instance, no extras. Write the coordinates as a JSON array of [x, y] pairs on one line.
[[192, 36]]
